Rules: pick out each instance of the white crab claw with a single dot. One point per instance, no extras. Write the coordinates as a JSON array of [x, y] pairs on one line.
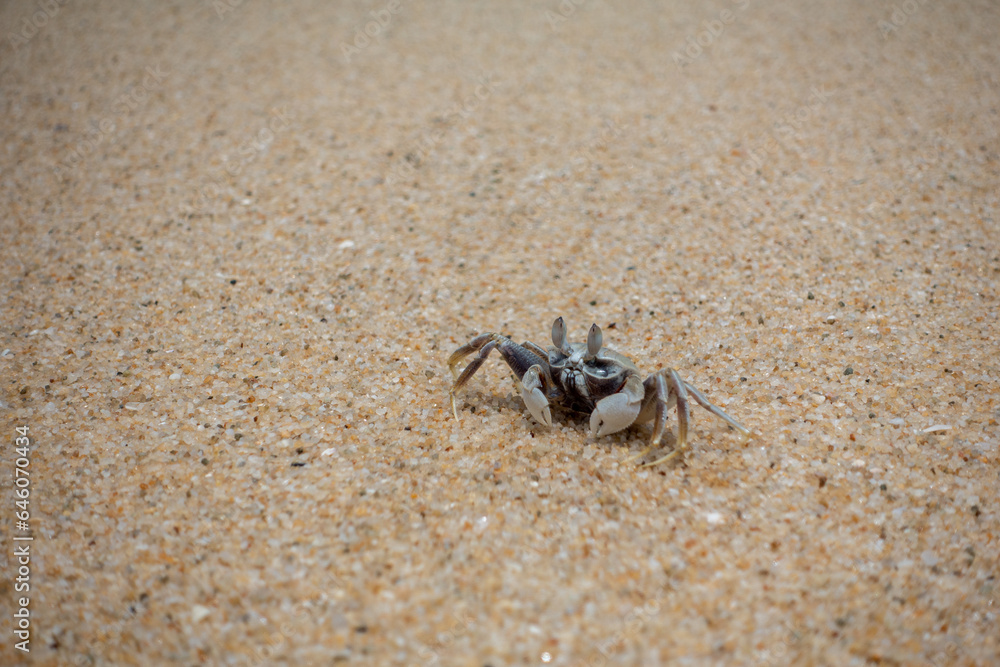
[[533, 397], [538, 406], [613, 413]]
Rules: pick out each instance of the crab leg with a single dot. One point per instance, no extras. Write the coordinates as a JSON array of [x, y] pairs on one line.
[[717, 411], [658, 400], [664, 389], [536, 349], [520, 359], [473, 345], [676, 387], [666, 386]]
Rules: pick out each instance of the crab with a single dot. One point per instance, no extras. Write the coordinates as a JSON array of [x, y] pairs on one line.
[[589, 378]]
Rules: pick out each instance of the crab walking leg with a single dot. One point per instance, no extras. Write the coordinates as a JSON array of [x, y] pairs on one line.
[[519, 358], [473, 345], [676, 386], [658, 400], [717, 411], [536, 349], [485, 343]]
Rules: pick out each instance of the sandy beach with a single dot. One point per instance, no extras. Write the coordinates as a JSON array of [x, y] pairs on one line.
[[242, 240]]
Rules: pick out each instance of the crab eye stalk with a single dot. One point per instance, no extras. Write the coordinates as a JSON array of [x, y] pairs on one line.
[[594, 340], [559, 334]]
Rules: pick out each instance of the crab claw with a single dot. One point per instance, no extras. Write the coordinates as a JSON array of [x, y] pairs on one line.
[[534, 398], [614, 413]]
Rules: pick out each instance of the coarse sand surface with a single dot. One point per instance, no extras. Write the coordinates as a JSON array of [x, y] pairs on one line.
[[241, 240]]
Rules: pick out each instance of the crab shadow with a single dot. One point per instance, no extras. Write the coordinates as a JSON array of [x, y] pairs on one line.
[[633, 439]]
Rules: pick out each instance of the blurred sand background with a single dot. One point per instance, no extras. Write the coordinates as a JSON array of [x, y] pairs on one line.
[[241, 240]]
